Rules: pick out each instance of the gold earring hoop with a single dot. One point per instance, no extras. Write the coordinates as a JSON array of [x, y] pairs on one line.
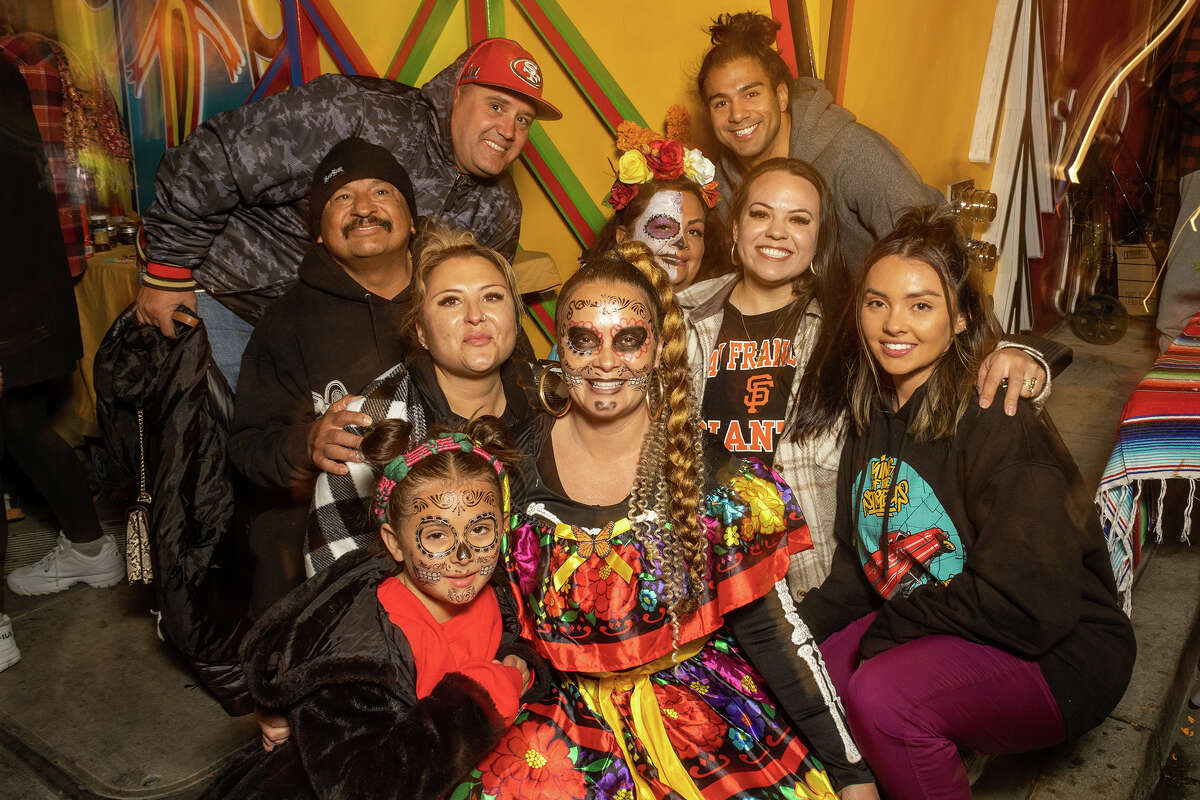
[[541, 387], [657, 407], [813, 268], [733, 254]]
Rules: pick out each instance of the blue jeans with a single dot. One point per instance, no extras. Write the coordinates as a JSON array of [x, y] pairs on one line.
[[227, 336]]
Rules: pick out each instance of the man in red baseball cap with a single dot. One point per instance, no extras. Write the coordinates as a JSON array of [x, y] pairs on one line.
[[230, 215], [498, 97]]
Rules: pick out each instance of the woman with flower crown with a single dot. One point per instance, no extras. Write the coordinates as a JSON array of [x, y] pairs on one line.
[[661, 196], [650, 564]]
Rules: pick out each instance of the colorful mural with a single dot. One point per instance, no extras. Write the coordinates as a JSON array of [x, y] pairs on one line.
[[172, 41], [182, 61]]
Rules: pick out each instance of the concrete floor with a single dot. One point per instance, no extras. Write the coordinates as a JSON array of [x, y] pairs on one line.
[[99, 707], [1181, 776]]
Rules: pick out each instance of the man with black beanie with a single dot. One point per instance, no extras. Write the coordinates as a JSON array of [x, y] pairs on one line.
[[329, 335]]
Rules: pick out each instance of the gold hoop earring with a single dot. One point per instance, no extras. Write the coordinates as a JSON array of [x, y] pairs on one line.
[[813, 268], [541, 387], [656, 408], [733, 255]]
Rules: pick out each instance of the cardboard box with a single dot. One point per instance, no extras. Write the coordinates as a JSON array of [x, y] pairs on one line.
[[1131, 297], [1136, 272], [1133, 254], [1133, 305]]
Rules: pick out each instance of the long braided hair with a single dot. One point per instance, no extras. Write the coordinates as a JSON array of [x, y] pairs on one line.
[[662, 504]]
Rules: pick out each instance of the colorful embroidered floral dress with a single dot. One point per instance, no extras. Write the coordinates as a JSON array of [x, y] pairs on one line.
[[631, 717]]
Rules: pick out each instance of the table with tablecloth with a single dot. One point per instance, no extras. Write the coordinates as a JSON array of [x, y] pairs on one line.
[[1149, 485], [106, 289]]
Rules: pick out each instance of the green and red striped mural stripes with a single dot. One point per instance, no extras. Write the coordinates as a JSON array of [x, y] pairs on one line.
[[485, 18], [587, 71], [423, 32]]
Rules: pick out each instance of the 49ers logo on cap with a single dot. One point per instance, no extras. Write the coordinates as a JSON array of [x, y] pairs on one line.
[[527, 70]]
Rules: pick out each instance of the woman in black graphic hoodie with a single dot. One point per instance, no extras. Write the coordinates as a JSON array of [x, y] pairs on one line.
[[971, 604]]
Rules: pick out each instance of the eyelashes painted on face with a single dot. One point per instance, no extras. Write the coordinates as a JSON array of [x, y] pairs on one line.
[[437, 539], [630, 339], [583, 339], [662, 227]]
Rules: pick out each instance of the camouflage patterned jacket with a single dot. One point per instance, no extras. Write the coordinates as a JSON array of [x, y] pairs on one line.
[[230, 203]]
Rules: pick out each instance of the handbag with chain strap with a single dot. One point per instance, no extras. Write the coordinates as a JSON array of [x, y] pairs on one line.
[[137, 525]]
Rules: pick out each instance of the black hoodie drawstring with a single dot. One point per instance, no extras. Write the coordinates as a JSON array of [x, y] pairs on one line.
[[889, 496]]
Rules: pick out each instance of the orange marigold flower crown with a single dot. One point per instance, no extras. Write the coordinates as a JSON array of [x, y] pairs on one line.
[[647, 155]]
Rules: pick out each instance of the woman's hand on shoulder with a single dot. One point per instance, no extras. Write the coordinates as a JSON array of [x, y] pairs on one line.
[[1024, 375]]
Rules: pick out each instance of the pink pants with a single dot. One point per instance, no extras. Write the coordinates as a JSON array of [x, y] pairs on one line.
[[912, 707]]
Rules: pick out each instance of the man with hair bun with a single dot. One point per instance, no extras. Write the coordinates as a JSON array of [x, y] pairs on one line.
[[758, 112]]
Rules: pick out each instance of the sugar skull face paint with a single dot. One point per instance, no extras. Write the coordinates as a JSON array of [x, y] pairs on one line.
[[672, 226], [608, 346], [448, 542]]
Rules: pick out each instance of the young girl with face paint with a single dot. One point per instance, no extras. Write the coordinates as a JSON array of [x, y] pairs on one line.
[[397, 670], [971, 604], [651, 567]]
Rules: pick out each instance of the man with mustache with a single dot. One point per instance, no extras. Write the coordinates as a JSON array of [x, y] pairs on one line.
[[329, 335], [228, 215]]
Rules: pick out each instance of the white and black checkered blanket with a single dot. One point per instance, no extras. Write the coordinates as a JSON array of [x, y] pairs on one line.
[[339, 519]]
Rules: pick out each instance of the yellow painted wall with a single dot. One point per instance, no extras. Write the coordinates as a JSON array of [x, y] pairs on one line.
[[913, 74]]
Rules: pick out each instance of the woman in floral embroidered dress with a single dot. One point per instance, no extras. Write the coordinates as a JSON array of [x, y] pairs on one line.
[[652, 567]]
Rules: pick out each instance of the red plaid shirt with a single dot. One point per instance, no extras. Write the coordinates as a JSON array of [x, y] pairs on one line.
[[39, 66]]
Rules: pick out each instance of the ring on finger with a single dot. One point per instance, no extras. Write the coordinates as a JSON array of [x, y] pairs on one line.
[[1030, 384]]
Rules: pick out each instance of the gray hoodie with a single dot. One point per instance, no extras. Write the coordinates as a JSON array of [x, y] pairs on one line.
[[230, 205], [872, 181]]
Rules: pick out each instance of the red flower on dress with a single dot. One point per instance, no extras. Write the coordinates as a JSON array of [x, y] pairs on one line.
[[533, 762], [596, 586], [665, 158], [692, 725]]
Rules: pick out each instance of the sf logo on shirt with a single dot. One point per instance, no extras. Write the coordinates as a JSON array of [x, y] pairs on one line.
[[758, 391]]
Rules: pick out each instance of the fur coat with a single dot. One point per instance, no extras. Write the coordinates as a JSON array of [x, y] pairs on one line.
[[329, 655]]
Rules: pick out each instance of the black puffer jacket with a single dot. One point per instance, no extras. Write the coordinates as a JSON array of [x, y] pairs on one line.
[[200, 579], [346, 674], [231, 202]]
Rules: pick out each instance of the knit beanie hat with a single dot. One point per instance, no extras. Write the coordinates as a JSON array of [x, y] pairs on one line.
[[351, 160]]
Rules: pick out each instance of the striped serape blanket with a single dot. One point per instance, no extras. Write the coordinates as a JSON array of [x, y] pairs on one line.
[[1158, 440]]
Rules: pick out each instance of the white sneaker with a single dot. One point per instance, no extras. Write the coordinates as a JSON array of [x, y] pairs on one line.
[[64, 566], [9, 654]]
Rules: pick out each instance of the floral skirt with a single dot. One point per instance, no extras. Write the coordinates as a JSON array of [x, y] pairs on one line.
[[696, 725]]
